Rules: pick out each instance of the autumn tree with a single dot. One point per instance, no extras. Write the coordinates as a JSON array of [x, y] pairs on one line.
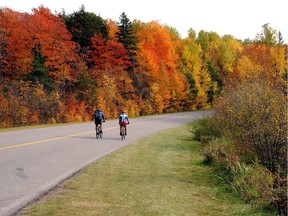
[[3, 44], [210, 45], [219, 57], [16, 55], [157, 58], [108, 61], [112, 28], [49, 32], [107, 55], [197, 75]]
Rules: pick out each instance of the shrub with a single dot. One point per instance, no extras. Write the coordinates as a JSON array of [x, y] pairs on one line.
[[205, 130], [254, 115], [279, 198], [221, 152], [253, 182]]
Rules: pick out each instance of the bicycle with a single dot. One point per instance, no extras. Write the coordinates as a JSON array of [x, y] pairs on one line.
[[123, 131], [99, 132], [122, 134]]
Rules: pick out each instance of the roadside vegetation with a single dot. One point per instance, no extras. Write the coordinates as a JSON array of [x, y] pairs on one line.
[[163, 174], [246, 141]]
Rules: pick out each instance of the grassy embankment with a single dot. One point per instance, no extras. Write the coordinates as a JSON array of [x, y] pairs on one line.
[[159, 175]]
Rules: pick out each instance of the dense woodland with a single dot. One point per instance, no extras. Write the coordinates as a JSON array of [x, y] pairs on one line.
[[60, 67]]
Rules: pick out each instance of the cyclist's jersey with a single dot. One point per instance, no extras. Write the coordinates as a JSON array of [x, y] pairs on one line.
[[98, 117], [123, 118]]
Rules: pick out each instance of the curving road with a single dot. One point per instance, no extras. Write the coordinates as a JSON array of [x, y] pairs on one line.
[[36, 160]]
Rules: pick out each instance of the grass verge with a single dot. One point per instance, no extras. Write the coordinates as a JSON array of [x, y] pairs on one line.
[[162, 174]]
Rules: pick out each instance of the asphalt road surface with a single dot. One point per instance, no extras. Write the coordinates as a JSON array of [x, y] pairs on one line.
[[35, 161]]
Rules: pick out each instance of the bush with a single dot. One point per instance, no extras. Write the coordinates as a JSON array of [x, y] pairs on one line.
[[204, 130], [279, 198], [220, 152], [254, 115], [253, 182]]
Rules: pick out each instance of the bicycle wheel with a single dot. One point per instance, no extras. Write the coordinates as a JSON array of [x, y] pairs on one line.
[[122, 132], [97, 132]]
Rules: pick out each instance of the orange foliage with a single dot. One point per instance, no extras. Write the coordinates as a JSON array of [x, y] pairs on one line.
[[108, 61], [259, 54], [112, 28], [158, 57], [260, 60], [51, 33], [156, 46], [15, 46]]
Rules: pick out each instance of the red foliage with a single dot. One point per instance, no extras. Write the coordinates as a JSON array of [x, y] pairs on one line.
[[16, 56], [107, 55], [51, 33]]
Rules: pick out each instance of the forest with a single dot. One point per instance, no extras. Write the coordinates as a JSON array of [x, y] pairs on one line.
[[58, 68], [61, 67]]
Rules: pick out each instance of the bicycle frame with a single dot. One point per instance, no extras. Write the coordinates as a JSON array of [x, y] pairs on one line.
[[122, 132], [98, 132]]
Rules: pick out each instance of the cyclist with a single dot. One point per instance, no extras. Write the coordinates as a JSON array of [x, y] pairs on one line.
[[123, 120], [99, 118]]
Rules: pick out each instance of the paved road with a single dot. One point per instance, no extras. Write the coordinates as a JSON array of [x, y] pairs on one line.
[[36, 160]]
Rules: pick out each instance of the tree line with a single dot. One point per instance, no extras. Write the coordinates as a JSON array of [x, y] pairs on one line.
[[60, 67]]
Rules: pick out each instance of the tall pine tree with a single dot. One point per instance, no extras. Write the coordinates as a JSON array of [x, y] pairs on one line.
[[125, 35]]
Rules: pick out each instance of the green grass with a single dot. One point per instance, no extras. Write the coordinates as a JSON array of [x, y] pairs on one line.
[[159, 175]]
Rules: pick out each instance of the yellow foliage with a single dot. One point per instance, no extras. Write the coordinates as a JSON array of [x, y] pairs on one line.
[[279, 59]]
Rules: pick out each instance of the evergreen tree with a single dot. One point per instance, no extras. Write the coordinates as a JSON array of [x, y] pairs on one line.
[[39, 73], [84, 25], [280, 38], [126, 36]]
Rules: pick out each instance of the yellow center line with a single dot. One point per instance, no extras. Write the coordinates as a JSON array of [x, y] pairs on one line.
[[49, 140], [63, 137]]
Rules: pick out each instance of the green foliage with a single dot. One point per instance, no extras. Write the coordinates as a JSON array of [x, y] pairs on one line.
[[197, 75], [39, 72], [268, 36], [220, 152], [84, 25], [254, 183], [125, 35], [204, 130]]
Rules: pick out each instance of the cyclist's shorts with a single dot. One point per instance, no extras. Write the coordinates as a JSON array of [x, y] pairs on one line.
[[122, 123], [98, 122]]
